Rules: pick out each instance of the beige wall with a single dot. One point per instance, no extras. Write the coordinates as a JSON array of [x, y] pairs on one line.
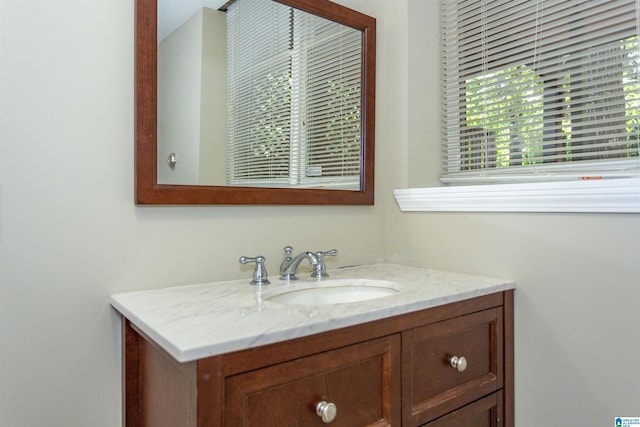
[[71, 234], [213, 125], [576, 304], [578, 275], [192, 101], [180, 59]]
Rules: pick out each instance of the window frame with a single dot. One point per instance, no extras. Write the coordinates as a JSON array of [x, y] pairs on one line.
[[594, 193], [590, 196]]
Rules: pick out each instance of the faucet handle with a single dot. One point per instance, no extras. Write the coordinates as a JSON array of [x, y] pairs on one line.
[[288, 250], [319, 269], [331, 252], [260, 272]]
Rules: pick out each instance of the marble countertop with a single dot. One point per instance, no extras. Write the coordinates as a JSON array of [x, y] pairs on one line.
[[195, 321]]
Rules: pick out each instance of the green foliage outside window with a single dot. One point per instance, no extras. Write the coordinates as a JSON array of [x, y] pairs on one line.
[[505, 113]]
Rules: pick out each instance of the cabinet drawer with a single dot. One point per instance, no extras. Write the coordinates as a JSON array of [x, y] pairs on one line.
[[485, 412], [433, 387], [362, 380]]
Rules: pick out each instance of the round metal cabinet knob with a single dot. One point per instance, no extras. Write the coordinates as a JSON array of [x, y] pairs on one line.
[[459, 363], [326, 411]]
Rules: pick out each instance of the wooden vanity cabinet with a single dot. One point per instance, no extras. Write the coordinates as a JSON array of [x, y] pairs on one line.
[[357, 379], [432, 387], [389, 372], [485, 412]]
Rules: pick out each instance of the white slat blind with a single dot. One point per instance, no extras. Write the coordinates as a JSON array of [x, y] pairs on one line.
[[294, 98], [540, 90], [332, 73], [259, 92]]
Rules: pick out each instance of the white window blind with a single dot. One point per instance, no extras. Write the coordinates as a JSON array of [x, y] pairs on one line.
[[332, 79], [258, 91], [294, 98], [540, 90]]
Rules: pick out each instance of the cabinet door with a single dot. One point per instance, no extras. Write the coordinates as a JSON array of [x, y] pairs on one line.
[[361, 380], [485, 412], [432, 386]]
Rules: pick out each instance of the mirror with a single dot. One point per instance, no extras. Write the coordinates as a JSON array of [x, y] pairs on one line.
[[151, 116]]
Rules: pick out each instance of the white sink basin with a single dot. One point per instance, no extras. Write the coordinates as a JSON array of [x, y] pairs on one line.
[[333, 292]]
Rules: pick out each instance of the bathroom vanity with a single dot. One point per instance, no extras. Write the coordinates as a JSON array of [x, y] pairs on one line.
[[437, 352]]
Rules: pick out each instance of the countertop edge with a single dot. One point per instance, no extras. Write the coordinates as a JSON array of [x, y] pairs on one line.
[[299, 332], [169, 336]]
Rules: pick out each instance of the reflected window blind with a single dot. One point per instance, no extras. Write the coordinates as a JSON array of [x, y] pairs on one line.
[[331, 69], [293, 98], [539, 90], [258, 91]]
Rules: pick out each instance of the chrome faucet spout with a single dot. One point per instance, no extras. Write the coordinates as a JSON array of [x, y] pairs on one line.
[[289, 265]]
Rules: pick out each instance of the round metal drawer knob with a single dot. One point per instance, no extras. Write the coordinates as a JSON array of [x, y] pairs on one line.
[[326, 411], [459, 363]]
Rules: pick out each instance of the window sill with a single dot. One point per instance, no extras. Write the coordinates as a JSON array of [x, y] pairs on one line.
[[607, 195]]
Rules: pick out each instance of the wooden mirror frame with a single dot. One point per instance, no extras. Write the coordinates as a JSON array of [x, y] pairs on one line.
[[149, 192]]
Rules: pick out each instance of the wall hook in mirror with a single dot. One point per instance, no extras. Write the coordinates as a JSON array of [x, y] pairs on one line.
[[172, 160]]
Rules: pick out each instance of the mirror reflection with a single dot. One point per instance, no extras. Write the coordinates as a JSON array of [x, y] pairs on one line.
[[259, 94]]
